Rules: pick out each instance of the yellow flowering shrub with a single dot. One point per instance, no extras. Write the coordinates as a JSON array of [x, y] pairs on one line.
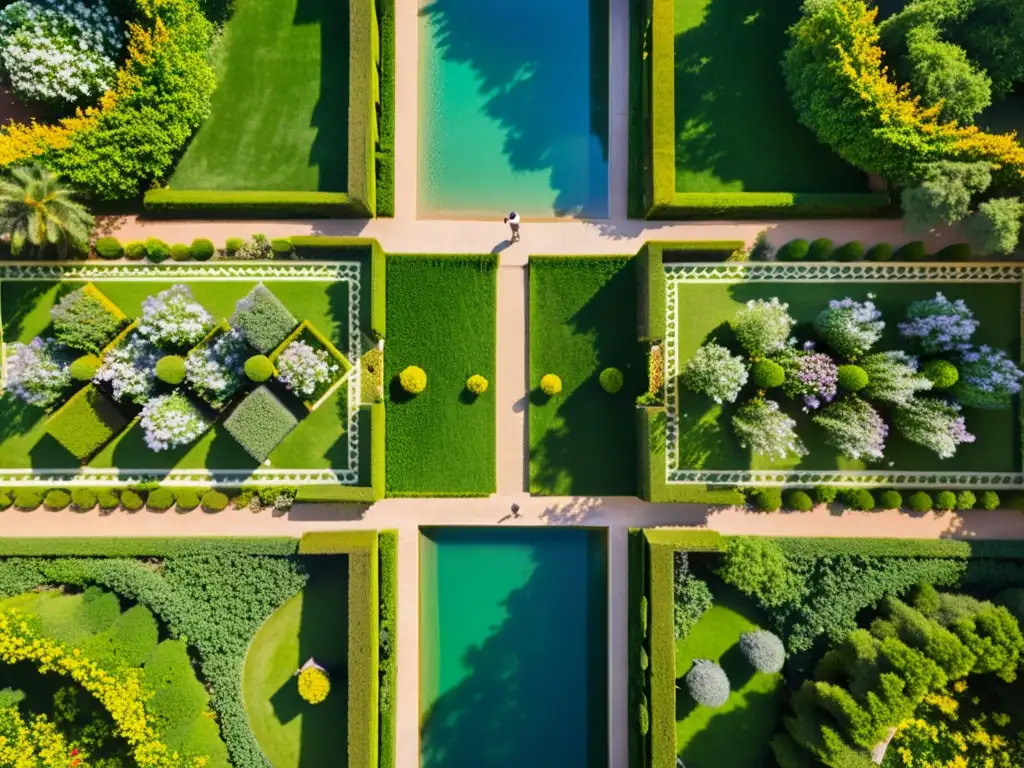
[[35, 744], [476, 384], [550, 384], [314, 685], [413, 379]]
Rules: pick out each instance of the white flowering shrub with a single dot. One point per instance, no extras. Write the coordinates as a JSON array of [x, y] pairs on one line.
[[173, 318], [715, 372], [130, 369], [763, 428], [304, 370], [216, 371], [854, 428], [988, 379], [933, 423], [61, 52], [763, 327], [939, 325], [35, 372], [893, 377], [850, 327], [171, 421]]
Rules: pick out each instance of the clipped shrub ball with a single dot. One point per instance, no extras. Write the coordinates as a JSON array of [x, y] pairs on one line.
[[84, 499], [955, 252], [84, 368], [160, 499], [826, 494], [5, 500], [170, 369], [202, 249], [915, 250], [413, 379], [180, 252], [820, 250], [766, 499], [109, 248], [611, 380], [860, 499], [945, 501], [214, 501], [763, 650], [188, 499], [942, 373], [965, 500], [131, 501], [852, 378], [988, 500], [794, 250], [879, 252], [281, 246], [890, 500], [108, 500], [258, 368], [57, 500], [799, 501], [476, 384], [919, 502], [851, 251], [707, 683], [314, 685], [28, 499], [157, 250], [135, 250], [550, 384], [233, 244], [767, 374]]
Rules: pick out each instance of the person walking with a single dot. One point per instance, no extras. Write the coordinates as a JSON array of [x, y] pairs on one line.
[[513, 222]]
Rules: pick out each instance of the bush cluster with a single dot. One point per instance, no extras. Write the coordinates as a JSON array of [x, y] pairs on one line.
[[86, 320], [263, 319]]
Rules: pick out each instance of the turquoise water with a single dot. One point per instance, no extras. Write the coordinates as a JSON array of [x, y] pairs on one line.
[[513, 648], [513, 108]]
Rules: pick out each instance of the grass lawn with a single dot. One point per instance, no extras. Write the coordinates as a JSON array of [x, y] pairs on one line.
[[442, 316], [736, 129], [706, 439], [582, 320], [279, 116], [738, 733], [314, 623], [318, 442]]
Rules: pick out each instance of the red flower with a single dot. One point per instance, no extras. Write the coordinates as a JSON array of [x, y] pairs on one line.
[[74, 751]]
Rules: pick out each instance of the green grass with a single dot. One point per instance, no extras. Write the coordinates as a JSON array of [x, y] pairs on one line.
[[736, 130], [583, 318], [441, 317], [279, 116], [314, 623], [706, 438], [736, 734]]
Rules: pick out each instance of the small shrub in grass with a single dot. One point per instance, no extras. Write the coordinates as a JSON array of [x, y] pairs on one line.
[[202, 249], [233, 245], [5, 500], [989, 500], [262, 319], [920, 502], [826, 494], [314, 685], [135, 250], [820, 250], [131, 501], [157, 250], [945, 501], [160, 500], [170, 369], [109, 248], [766, 499], [108, 500], [794, 250], [965, 500], [476, 384], [611, 380], [28, 499], [84, 499], [851, 251], [852, 378], [258, 368], [763, 650], [942, 373], [707, 683], [879, 252], [915, 250], [767, 374], [259, 423], [214, 501], [56, 500], [281, 246], [859, 499], [955, 252], [180, 252], [84, 368], [799, 501], [187, 499], [413, 379], [550, 384], [890, 500]]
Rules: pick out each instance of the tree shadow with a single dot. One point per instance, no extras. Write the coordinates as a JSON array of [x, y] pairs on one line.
[[18, 417]]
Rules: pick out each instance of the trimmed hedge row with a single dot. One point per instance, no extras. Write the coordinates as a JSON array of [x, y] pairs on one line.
[[254, 204], [385, 156], [771, 205], [151, 495], [388, 541], [662, 656], [823, 250], [148, 546], [639, 712], [110, 247], [363, 650]]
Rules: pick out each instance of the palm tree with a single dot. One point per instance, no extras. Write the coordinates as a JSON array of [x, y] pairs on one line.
[[35, 207]]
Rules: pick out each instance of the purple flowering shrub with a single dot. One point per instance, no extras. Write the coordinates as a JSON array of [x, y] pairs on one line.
[[988, 378], [933, 423], [715, 372], [762, 427], [762, 327], [809, 375], [854, 428], [893, 377], [939, 325], [173, 318], [170, 421], [850, 327], [306, 371], [215, 371], [35, 372], [129, 369]]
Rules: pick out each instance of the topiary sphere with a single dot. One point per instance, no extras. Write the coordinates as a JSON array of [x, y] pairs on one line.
[[890, 500], [852, 378], [233, 244], [476, 384], [109, 248], [919, 502], [966, 500], [135, 250], [763, 650], [187, 500], [550, 384], [945, 500], [108, 500], [767, 374], [989, 500], [851, 251], [794, 250], [157, 250], [84, 499], [214, 501], [708, 683], [258, 368], [314, 685], [131, 501], [799, 501], [611, 380], [84, 368], [413, 379], [202, 249], [170, 369], [820, 250], [879, 252], [860, 499], [28, 499], [766, 499], [942, 373], [180, 252], [826, 494], [160, 499], [56, 500]]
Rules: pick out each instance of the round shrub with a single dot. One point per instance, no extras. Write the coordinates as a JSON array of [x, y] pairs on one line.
[[611, 380], [314, 685], [879, 252], [707, 683], [766, 499], [281, 246], [233, 244], [131, 501], [763, 650], [202, 249], [259, 368], [135, 250], [820, 249], [799, 501], [851, 251], [920, 502], [28, 499], [989, 500], [767, 374], [84, 368], [157, 250], [57, 500], [180, 252], [550, 384], [852, 378], [170, 369], [890, 500], [942, 373], [945, 500], [955, 252], [915, 250], [860, 499], [966, 500], [214, 501], [84, 499], [826, 494], [794, 250], [413, 379], [108, 500], [5, 500], [476, 384], [160, 499], [187, 499], [109, 248]]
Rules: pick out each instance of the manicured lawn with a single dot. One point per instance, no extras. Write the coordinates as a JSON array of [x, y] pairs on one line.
[[582, 320], [736, 128], [738, 733], [442, 316], [279, 117], [706, 439], [314, 623]]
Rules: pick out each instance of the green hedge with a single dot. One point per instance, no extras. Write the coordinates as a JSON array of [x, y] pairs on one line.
[[662, 700], [254, 204], [85, 422], [335, 494], [363, 649], [878, 547], [386, 141], [148, 547], [389, 645], [363, 101], [636, 626], [335, 542], [259, 423], [699, 540], [773, 205], [378, 449]]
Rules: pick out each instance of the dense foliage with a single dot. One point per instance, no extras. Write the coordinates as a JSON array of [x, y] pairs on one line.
[[715, 372], [707, 683], [171, 421], [763, 650], [692, 596], [259, 422], [263, 319], [762, 427], [306, 371], [173, 318], [850, 327], [763, 327], [36, 373], [86, 320], [854, 428]]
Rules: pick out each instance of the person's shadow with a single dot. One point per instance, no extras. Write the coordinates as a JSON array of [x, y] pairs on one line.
[[501, 246]]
